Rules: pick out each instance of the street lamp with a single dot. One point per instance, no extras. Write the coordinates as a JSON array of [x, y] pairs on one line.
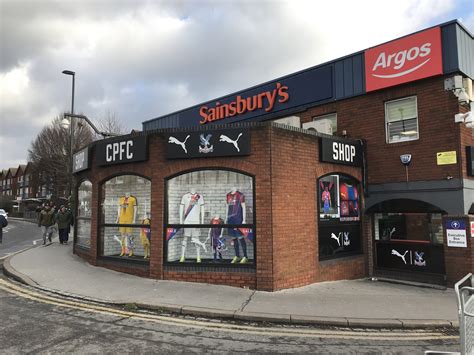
[[71, 128]]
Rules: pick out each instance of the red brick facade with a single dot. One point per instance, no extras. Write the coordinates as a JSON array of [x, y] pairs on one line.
[[286, 167]]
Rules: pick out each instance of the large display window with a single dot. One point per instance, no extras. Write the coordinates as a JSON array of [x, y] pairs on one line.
[[125, 228], [339, 231], [210, 218], [84, 214]]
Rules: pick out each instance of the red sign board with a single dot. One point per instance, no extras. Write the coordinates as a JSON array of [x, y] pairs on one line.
[[472, 229], [407, 59]]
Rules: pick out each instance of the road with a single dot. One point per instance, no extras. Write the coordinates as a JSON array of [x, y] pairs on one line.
[[39, 322], [19, 235]]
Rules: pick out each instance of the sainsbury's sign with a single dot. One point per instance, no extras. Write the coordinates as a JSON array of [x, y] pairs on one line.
[[241, 105], [410, 58]]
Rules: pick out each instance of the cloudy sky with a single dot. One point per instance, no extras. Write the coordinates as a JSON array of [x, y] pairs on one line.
[[142, 59]]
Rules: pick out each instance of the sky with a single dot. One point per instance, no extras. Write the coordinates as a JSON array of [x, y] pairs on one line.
[[138, 59]]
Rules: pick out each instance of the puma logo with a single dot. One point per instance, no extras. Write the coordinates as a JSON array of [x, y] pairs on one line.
[[226, 139], [182, 144], [394, 252]]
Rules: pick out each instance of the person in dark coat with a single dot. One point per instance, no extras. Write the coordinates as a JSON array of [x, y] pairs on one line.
[[46, 219], [64, 221], [3, 224]]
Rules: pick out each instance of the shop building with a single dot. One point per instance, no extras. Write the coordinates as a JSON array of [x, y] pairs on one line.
[[353, 168]]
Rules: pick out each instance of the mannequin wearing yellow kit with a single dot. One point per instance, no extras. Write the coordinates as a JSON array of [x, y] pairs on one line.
[[145, 234], [126, 214]]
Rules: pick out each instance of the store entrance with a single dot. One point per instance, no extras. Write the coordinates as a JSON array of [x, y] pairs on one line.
[[409, 245]]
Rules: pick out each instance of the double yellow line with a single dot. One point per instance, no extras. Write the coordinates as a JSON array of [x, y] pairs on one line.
[[297, 332]]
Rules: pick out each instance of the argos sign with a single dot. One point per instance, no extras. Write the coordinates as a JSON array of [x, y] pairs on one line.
[[410, 58]]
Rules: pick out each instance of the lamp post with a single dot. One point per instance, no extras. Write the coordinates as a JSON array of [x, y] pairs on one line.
[[71, 128]]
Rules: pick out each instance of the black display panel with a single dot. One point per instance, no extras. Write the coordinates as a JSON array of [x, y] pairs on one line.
[[209, 143], [122, 150], [339, 240], [419, 257]]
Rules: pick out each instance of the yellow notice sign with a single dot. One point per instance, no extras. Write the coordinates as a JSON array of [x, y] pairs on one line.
[[445, 158]]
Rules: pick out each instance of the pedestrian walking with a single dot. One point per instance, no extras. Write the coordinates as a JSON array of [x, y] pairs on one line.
[[64, 221], [46, 220], [3, 224]]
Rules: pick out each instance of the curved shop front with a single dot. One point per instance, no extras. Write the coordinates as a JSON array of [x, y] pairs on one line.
[[256, 205]]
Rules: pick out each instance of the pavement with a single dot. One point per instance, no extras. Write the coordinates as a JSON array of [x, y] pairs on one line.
[[353, 303]]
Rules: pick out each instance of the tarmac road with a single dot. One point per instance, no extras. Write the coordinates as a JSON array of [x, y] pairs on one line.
[[19, 235], [39, 322]]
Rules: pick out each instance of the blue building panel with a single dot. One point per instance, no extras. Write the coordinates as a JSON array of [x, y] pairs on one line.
[[336, 80]]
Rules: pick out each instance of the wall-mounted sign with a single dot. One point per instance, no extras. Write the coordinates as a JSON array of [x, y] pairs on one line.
[[410, 256], [406, 59], [122, 150], [256, 103], [470, 160], [80, 160], [472, 229], [446, 158], [340, 152], [211, 143], [240, 105], [456, 233]]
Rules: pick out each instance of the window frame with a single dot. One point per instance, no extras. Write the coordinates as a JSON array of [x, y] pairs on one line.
[[387, 131], [166, 225], [79, 218], [102, 225], [328, 223]]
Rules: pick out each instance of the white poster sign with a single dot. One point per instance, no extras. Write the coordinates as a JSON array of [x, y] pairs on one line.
[[456, 238]]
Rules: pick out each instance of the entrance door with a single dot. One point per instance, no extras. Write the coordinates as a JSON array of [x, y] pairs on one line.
[[409, 246]]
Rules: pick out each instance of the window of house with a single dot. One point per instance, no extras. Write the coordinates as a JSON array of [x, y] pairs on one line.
[[125, 223], [401, 119], [339, 232], [331, 120], [210, 219]]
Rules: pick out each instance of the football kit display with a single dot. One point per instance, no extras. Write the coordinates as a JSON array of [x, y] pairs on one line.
[[235, 215], [192, 208], [127, 212], [349, 200], [145, 236], [234, 207], [215, 234]]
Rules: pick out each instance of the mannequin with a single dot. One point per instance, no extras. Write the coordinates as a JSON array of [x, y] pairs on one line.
[[235, 214], [191, 211], [127, 214], [145, 236], [215, 235]]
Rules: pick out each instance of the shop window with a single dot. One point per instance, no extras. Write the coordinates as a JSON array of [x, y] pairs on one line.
[[330, 120], [339, 216], [401, 119], [422, 227], [125, 219], [83, 215], [210, 218]]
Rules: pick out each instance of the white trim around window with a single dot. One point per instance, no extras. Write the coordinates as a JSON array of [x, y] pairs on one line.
[[401, 120]]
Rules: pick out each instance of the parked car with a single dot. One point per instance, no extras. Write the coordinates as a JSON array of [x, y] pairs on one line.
[[4, 214]]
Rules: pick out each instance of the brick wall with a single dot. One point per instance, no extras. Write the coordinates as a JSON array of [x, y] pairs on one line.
[[285, 165], [364, 117]]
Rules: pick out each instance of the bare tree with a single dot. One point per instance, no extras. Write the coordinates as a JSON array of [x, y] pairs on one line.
[[110, 124], [50, 154]]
